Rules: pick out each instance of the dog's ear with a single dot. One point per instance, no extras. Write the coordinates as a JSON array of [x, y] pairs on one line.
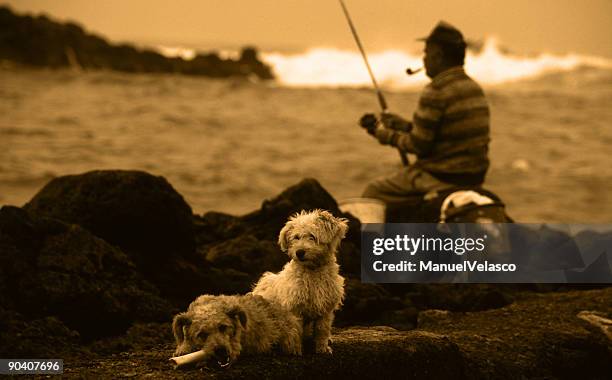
[[179, 324], [336, 228], [342, 227], [283, 236], [236, 313]]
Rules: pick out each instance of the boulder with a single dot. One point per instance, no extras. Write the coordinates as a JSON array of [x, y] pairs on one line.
[[308, 194], [247, 244], [50, 268], [137, 211], [266, 223], [140, 213]]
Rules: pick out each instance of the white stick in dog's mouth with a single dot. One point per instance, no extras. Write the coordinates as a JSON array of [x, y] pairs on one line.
[[183, 360]]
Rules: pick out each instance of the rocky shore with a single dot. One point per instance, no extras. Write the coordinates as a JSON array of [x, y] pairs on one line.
[[42, 42], [94, 266]]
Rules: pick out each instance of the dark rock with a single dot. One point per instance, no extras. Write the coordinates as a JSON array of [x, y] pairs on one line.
[[431, 317], [250, 241], [266, 223], [214, 227], [595, 246], [250, 62], [180, 280], [38, 338], [247, 254], [365, 304], [459, 297], [141, 213], [372, 353], [228, 281], [401, 319], [237, 263], [349, 259], [597, 272], [40, 41], [593, 243], [545, 249], [308, 194], [144, 216], [50, 268], [537, 337], [139, 337], [57, 280], [372, 304], [247, 246], [575, 355], [248, 55]]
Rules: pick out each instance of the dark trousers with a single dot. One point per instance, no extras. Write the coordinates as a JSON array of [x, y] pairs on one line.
[[406, 182]]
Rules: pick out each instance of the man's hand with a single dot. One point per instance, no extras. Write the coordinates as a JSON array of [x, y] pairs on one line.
[[395, 122], [369, 121], [384, 135]]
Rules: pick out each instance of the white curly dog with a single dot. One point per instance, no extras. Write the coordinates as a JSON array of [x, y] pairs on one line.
[[309, 285]]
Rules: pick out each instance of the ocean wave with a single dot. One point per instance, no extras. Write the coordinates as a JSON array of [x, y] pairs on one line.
[[491, 65]]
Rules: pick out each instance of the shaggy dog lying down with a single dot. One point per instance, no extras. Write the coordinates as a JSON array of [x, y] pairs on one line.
[[220, 328]]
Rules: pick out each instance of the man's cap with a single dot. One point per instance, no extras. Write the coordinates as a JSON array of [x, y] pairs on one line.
[[445, 33]]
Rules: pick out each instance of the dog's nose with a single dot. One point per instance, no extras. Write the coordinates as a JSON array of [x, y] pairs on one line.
[[300, 253], [221, 353]]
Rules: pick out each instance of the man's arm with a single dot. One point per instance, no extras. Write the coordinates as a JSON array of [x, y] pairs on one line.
[[420, 137], [395, 122]]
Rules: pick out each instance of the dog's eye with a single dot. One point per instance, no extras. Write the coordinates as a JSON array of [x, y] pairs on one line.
[[202, 335], [296, 237], [222, 328], [311, 237]]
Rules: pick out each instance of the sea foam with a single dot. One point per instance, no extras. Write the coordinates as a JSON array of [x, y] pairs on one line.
[[331, 67]]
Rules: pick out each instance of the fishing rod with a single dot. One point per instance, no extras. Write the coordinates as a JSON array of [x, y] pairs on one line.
[[379, 94]]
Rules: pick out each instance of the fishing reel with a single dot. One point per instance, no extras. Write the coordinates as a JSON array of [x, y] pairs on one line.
[[369, 121]]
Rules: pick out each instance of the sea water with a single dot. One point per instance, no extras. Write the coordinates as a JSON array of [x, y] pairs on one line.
[[226, 145]]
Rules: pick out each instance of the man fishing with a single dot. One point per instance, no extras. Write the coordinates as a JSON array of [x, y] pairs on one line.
[[449, 131]]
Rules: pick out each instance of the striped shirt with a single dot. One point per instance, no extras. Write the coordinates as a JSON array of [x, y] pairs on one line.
[[450, 132]]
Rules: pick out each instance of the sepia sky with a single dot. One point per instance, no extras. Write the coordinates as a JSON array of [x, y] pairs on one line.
[[523, 26]]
